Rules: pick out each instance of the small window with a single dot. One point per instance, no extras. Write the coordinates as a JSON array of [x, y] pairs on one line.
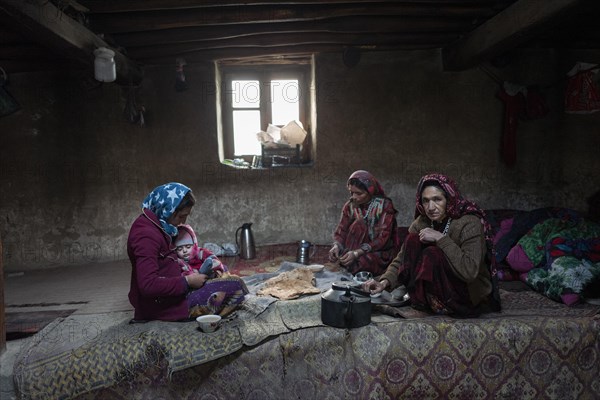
[[263, 98]]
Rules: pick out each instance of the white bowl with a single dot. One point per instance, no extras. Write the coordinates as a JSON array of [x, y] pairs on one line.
[[209, 323], [399, 292], [363, 276]]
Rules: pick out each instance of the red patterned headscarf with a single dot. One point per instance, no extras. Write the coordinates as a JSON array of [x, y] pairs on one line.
[[367, 179], [456, 205]]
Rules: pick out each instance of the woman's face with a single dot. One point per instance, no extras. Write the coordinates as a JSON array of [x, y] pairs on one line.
[[434, 203], [358, 196], [179, 217]]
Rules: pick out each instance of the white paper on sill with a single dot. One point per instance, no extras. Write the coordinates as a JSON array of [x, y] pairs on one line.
[[293, 133], [274, 132]]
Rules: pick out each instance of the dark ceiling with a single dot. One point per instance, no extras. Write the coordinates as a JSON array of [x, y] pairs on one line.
[[49, 34]]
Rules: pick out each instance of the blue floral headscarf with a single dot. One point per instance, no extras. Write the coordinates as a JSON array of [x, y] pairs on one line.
[[163, 202]]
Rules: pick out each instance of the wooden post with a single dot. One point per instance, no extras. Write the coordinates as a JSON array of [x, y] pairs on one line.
[[2, 322]]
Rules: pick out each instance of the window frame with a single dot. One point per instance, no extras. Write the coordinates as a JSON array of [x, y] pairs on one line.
[[264, 74]]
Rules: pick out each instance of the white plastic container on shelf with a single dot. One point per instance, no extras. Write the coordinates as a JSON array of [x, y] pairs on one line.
[[104, 65]]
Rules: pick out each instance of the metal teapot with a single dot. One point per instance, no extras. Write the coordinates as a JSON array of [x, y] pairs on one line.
[[345, 306], [303, 253], [246, 241]]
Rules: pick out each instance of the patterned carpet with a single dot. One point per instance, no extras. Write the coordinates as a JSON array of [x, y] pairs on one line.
[[535, 349]]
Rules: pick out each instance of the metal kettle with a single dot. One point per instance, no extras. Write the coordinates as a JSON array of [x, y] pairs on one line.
[[246, 241], [345, 306]]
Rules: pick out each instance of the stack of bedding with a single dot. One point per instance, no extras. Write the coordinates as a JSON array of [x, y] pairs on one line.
[[554, 250]]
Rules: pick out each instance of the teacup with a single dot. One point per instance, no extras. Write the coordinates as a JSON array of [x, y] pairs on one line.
[[363, 276], [209, 323]]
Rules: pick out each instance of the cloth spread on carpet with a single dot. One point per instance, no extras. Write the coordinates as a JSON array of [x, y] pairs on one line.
[[86, 353]]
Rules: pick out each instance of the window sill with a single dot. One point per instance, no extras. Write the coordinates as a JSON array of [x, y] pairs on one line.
[[229, 163]]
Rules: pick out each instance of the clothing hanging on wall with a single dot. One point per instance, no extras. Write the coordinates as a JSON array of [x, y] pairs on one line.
[[582, 95], [133, 113], [180, 83], [520, 102]]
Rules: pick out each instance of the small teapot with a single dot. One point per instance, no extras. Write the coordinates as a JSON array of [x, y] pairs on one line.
[[303, 253]]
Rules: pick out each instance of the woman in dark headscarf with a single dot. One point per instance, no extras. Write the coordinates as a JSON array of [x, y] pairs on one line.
[[158, 290], [366, 238], [443, 259]]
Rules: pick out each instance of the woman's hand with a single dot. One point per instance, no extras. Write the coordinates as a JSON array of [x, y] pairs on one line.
[[372, 286], [428, 235], [196, 280], [349, 257], [334, 253]]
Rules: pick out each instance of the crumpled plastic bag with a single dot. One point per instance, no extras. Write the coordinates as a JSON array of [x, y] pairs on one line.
[[227, 249]]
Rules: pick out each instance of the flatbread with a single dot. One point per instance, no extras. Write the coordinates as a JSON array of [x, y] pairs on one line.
[[290, 285]]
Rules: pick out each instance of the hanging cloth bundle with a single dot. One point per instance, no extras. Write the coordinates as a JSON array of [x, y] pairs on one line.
[[8, 104], [514, 100], [520, 102], [180, 83], [133, 113], [581, 95]]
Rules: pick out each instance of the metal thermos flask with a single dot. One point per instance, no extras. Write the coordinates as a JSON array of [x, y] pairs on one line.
[[303, 254], [246, 241]]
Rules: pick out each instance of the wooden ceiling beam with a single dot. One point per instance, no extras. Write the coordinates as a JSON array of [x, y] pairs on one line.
[[113, 6], [168, 19], [513, 26], [42, 22], [251, 52], [340, 25], [293, 39]]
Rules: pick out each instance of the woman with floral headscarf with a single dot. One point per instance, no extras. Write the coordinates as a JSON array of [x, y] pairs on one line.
[[158, 290], [366, 238], [443, 259]]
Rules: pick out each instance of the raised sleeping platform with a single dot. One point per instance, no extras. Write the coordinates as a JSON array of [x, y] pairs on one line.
[[536, 348]]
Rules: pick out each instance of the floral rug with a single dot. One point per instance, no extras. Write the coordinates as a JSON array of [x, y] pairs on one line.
[[534, 349]]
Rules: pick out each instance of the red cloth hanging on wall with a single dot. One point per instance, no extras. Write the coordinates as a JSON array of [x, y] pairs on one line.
[[582, 95], [514, 105], [520, 102]]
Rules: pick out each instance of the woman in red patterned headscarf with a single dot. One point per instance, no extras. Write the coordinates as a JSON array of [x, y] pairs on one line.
[[366, 238], [443, 259]]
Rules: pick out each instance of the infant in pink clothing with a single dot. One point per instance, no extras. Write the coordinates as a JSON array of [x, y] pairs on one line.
[[193, 258]]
